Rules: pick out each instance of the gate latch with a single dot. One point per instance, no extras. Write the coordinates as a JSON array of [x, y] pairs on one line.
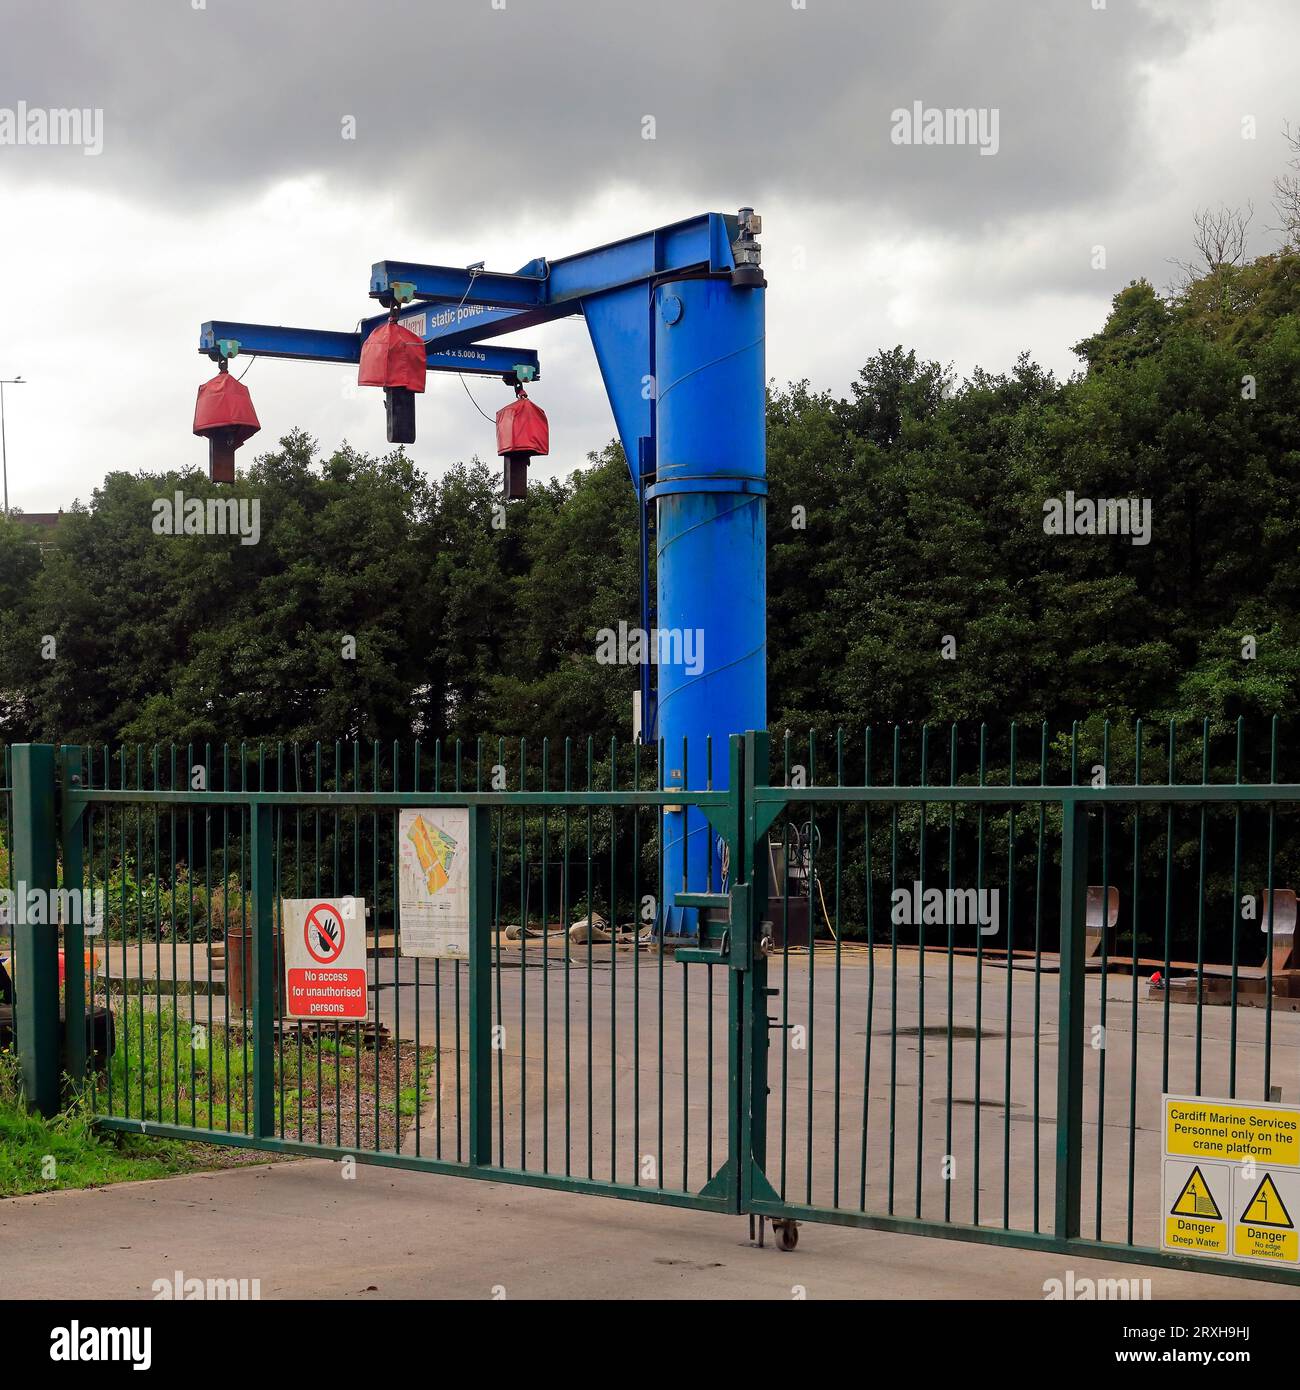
[[723, 928]]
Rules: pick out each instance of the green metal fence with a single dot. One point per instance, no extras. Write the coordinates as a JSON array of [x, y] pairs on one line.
[[542, 1059], [818, 1054], [7, 918], [1007, 1088]]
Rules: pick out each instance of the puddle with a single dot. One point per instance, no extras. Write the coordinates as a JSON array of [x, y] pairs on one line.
[[983, 1104], [960, 1031]]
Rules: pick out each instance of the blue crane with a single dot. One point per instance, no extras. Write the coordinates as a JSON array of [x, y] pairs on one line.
[[676, 317]]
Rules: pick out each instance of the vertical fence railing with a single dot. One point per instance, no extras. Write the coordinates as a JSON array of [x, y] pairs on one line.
[[1070, 1018], [8, 926], [35, 953]]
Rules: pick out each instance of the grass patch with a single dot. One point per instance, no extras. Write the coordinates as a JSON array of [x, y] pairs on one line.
[[168, 1069], [171, 1069], [65, 1151]]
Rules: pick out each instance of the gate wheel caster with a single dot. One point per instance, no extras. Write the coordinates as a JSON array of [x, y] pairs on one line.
[[786, 1233]]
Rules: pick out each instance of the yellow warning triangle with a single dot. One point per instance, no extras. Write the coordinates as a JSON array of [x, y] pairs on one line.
[[1266, 1207], [1196, 1199]]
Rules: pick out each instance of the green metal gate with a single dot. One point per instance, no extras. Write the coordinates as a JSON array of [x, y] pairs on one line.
[[877, 1117], [842, 1080]]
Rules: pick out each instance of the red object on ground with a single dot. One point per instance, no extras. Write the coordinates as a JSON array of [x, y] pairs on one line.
[[1156, 978], [225, 405], [393, 356], [63, 964], [522, 428]]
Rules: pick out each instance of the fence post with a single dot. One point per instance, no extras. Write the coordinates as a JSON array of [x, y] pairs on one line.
[[1069, 1069], [74, 927], [36, 969], [480, 986], [265, 893], [756, 1032]]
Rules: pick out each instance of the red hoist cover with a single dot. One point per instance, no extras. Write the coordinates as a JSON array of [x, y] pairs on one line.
[[224, 404], [522, 428], [393, 356]]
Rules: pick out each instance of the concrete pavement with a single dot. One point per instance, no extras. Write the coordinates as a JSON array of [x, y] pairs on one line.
[[304, 1231], [579, 1072]]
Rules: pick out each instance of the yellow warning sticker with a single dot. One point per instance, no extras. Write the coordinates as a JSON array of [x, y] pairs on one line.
[[1232, 1131], [1196, 1237], [1265, 1207], [1196, 1207], [1264, 1243], [1196, 1199]]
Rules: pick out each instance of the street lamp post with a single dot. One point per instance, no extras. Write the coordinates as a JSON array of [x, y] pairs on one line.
[[4, 451]]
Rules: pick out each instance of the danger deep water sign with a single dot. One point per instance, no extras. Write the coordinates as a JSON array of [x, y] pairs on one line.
[[325, 959]]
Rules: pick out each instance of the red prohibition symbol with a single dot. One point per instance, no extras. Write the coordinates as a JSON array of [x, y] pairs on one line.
[[324, 932]]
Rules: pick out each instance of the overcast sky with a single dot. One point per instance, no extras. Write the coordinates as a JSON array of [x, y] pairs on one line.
[[501, 130]]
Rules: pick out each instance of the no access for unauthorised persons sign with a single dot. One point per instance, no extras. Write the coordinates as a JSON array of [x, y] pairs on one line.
[[325, 959]]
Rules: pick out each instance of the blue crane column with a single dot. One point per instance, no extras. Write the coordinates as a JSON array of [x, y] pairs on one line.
[[710, 494]]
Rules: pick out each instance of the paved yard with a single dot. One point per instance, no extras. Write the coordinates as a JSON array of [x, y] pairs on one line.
[[303, 1231]]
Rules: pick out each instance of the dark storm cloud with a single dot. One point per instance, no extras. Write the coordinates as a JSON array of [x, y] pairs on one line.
[[532, 108]]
